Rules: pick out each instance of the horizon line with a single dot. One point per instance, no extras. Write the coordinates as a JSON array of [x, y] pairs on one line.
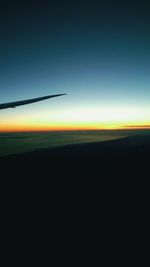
[[123, 128]]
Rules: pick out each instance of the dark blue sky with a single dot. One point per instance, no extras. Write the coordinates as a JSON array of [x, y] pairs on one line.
[[98, 52]]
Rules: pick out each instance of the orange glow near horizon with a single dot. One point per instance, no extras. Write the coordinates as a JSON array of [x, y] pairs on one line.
[[71, 127], [105, 118]]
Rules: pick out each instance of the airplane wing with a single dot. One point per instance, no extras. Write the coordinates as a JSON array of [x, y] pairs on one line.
[[27, 101]]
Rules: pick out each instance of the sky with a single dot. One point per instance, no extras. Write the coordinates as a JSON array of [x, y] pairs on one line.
[[98, 52]]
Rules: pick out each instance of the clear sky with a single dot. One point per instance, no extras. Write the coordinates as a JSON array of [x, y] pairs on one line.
[[98, 52]]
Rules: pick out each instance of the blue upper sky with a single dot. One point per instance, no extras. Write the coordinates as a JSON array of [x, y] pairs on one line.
[[98, 52]]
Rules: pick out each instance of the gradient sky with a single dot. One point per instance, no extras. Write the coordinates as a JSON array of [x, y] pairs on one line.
[[98, 52]]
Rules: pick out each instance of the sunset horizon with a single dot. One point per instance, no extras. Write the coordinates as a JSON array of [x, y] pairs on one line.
[[94, 55], [55, 129], [97, 53]]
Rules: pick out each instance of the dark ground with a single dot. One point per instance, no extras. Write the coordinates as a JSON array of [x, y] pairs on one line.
[[80, 191], [129, 157]]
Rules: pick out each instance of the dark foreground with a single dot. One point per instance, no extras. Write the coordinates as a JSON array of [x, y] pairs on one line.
[[102, 188], [129, 156]]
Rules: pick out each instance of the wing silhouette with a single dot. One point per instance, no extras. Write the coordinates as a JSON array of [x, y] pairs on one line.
[[27, 101]]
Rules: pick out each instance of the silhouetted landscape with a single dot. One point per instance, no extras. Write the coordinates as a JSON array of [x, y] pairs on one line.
[[94, 153]]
